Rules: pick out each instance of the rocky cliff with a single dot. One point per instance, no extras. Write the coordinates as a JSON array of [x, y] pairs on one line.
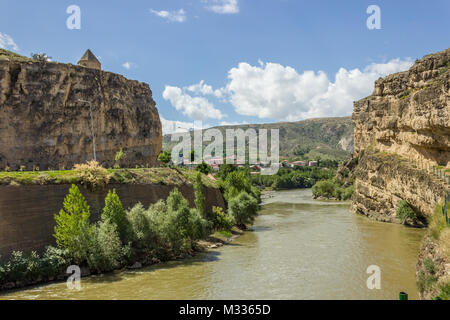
[[402, 130], [402, 145], [44, 124]]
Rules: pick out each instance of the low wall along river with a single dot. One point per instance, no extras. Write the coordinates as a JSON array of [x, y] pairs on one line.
[[27, 212], [298, 249]]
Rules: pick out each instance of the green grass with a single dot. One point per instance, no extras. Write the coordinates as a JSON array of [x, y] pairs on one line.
[[437, 223], [12, 56], [223, 234], [166, 176]]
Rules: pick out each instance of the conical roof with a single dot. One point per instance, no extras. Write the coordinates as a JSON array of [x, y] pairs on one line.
[[89, 56]]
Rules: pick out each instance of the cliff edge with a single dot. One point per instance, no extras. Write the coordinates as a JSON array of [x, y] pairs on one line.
[[43, 123]]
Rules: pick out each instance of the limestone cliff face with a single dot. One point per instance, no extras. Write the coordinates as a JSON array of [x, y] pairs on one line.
[[409, 112], [399, 130], [43, 124]]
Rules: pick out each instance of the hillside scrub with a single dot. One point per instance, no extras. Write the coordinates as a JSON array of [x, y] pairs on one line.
[[433, 280]]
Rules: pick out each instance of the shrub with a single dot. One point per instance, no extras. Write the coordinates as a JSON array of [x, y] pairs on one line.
[[181, 226], [115, 214], [437, 223], [429, 265], [222, 221], [165, 157], [22, 267], [204, 168], [348, 192], [119, 156], [54, 261], [425, 281], [73, 231], [200, 200], [106, 251], [323, 188], [140, 231], [93, 176], [405, 212], [445, 291], [243, 208]]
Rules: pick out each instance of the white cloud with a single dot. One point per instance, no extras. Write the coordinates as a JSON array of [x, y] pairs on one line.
[[202, 88], [277, 92], [173, 16], [6, 42], [197, 108], [127, 65], [223, 6]]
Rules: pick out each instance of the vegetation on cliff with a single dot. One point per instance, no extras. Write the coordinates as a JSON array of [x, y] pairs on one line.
[[433, 279]]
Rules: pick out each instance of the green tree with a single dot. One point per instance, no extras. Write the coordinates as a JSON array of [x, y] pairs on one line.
[[106, 251], [114, 213], [200, 199], [226, 169], [165, 157], [73, 231], [243, 208], [204, 168]]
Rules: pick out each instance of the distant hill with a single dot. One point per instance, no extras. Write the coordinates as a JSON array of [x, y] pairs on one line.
[[327, 138]]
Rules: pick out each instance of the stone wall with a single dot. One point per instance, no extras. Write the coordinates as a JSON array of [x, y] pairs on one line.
[[27, 212]]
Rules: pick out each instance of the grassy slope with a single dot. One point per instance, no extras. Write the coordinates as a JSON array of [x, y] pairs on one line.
[[165, 176], [322, 135]]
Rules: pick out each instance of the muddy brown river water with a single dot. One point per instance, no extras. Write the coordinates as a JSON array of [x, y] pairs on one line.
[[298, 248]]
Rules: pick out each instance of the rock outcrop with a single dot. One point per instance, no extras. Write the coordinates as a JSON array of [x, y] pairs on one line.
[[409, 113], [402, 139], [400, 131], [43, 123]]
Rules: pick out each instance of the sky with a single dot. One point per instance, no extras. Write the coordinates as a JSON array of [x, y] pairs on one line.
[[236, 61]]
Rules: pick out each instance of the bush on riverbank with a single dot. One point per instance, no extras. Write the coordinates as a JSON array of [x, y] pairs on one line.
[[406, 213], [302, 177], [331, 189], [164, 231], [243, 208]]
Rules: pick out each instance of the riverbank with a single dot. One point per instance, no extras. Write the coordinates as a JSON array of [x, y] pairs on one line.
[[214, 241]]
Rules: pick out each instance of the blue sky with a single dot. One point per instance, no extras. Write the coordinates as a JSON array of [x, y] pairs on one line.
[[259, 60]]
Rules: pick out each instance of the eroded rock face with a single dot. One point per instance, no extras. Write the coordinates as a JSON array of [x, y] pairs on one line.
[[409, 112], [43, 124], [401, 129]]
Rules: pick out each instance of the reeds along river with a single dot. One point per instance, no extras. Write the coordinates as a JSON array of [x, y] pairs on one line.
[[298, 248]]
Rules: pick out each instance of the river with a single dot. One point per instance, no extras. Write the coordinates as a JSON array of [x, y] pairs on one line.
[[298, 248]]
